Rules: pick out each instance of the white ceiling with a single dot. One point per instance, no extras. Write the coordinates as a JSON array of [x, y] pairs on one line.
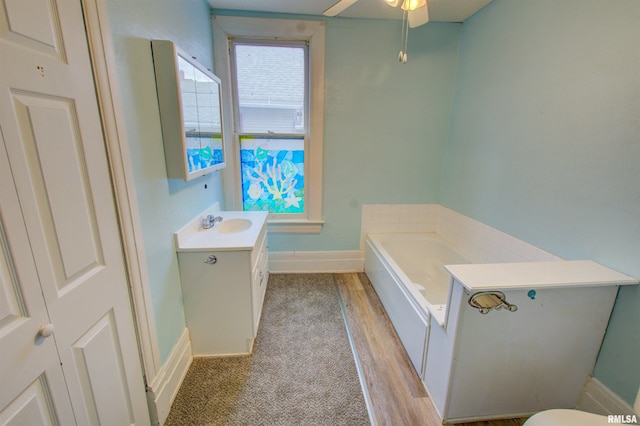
[[439, 10]]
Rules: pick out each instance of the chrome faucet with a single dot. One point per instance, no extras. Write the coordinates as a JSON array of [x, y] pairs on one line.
[[209, 221]]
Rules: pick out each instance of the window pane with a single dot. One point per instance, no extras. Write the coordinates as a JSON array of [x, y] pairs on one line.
[[270, 84], [272, 174]]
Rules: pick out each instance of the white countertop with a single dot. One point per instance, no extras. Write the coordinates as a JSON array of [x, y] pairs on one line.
[[555, 274], [192, 237]]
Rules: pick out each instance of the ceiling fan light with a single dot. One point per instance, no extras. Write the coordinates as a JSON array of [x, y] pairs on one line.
[[392, 3], [412, 4]]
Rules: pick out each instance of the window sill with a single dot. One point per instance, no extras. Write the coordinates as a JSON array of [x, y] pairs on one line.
[[301, 226]]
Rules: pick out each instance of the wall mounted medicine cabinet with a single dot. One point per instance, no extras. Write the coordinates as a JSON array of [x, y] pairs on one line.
[[190, 113]]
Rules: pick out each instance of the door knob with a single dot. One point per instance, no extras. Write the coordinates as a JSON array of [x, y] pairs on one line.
[[46, 330]]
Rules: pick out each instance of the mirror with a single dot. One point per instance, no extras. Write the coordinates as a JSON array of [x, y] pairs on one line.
[[190, 112]]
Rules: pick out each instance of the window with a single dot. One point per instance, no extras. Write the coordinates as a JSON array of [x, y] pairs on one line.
[[272, 72], [272, 169], [270, 97]]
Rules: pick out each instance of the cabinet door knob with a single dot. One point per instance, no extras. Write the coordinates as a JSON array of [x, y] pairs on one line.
[[46, 330], [212, 259]]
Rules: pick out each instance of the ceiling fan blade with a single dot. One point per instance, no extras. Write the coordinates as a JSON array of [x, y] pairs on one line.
[[419, 16], [338, 7]]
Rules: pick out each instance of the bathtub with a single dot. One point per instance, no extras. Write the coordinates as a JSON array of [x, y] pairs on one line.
[[563, 308], [407, 272]]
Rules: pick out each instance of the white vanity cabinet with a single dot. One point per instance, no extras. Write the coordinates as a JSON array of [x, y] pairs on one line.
[[223, 292]]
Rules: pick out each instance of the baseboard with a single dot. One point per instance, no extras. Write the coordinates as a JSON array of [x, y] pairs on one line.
[[316, 261], [164, 388], [599, 399]]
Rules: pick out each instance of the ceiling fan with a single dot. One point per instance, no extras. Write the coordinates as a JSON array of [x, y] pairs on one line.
[[416, 13]]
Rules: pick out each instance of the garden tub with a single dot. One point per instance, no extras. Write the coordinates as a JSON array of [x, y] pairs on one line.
[[407, 272]]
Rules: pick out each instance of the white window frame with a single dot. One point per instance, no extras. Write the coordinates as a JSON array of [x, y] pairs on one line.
[[225, 27], [304, 133]]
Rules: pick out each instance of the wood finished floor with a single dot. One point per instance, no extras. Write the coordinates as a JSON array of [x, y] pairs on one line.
[[396, 394]]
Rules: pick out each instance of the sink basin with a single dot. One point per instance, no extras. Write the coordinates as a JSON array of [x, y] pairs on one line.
[[230, 226], [237, 231]]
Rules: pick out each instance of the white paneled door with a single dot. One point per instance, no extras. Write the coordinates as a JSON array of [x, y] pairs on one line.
[[68, 350]]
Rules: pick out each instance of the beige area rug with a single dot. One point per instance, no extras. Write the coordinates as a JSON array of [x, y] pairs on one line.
[[302, 371]]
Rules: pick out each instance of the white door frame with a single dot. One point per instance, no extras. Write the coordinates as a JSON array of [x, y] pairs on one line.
[[112, 116]]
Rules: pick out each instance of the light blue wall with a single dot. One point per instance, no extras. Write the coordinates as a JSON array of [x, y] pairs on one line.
[[385, 123], [545, 142], [165, 204], [544, 137], [384, 134]]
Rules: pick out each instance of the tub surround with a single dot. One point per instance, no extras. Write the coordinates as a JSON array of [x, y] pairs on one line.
[[535, 358], [559, 314], [507, 276], [479, 242]]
